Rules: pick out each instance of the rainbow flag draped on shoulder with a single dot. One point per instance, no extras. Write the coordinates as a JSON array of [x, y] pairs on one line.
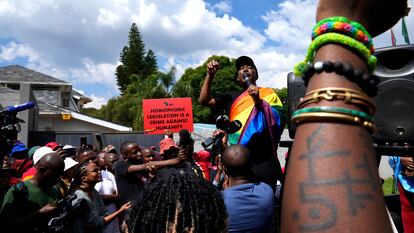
[[256, 119]]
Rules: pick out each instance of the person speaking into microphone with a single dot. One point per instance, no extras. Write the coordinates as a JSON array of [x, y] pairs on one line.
[[260, 111]]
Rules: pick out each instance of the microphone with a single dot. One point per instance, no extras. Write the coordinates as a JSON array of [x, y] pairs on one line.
[[18, 108], [246, 78]]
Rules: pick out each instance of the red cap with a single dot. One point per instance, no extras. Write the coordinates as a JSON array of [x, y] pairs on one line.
[[166, 144], [53, 145], [203, 156]]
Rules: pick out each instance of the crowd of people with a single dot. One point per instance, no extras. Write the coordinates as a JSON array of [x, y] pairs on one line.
[[330, 183]]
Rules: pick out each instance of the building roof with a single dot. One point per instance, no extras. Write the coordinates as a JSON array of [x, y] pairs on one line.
[[18, 74], [77, 95], [89, 119]]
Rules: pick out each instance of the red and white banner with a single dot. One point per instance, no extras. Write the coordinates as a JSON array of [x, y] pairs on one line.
[[174, 114]]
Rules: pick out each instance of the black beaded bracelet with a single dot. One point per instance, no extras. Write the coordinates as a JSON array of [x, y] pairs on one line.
[[366, 82]]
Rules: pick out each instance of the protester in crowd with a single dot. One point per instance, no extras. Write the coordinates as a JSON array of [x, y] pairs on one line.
[[203, 159], [127, 171], [110, 159], [95, 217], [64, 182], [58, 148], [168, 148], [21, 161], [85, 154], [32, 151], [110, 149], [184, 150], [108, 191], [404, 176], [68, 173], [249, 205], [259, 110], [38, 154], [181, 202], [28, 204], [70, 151], [148, 154], [332, 179], [186, 142], [157, 156]]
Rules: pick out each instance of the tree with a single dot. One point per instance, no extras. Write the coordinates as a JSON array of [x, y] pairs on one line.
[[134, 61], [167, 81], [150, 63], [193, 79]]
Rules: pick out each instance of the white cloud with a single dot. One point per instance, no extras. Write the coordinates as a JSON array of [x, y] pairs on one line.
[[108, 18], [12, 51], [82, 44], [291, 25], [222, 7], [97, 102], [92, 73]]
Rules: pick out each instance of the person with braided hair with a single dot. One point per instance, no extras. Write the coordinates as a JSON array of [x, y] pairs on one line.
[[181, 202], [94, 217]]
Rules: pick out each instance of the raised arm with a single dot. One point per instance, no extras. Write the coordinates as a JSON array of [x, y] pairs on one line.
[[331, 180], [205, 98]]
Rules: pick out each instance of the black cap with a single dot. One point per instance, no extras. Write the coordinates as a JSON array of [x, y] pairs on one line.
[[244, 60]]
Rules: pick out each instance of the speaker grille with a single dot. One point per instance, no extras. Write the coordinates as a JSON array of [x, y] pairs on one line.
[[395, 110]]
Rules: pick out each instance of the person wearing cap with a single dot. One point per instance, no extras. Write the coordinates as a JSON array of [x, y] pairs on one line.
[[203, 159], [21, 162], [168, 148], [260, 111], [70, 165], [58, 148], [38, 154], [27, 206], [110, 149]]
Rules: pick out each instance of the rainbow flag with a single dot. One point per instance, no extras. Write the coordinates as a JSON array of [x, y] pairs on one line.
[[269, 116]]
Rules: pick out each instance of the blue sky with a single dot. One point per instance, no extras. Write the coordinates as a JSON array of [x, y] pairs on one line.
[[80, 41]]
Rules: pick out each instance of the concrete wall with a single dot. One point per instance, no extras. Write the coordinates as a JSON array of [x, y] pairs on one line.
[[54, 123]]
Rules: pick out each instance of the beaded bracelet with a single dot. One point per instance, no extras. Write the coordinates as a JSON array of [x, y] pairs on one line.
[[345, 29], [333, 117], [365, 81], [350, 96], [336, 38], [332, 109], [343, 20]]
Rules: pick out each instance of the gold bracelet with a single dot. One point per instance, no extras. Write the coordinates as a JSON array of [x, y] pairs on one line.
[[333, 117], [334, 93]]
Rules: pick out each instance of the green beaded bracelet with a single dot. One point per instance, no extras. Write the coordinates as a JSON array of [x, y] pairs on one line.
[[336, 38], [331, 109]]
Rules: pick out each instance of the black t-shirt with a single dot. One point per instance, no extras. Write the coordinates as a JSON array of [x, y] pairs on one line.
[[129, 184]]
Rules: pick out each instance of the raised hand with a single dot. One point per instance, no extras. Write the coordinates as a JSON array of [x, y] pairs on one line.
[[212, 67]]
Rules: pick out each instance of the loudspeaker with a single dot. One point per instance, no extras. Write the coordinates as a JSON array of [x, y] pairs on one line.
[[295, 90], [395, 99]]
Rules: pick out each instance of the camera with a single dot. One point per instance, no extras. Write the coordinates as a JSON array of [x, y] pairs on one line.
[[222, 123], [66, 208], [10, 125]]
